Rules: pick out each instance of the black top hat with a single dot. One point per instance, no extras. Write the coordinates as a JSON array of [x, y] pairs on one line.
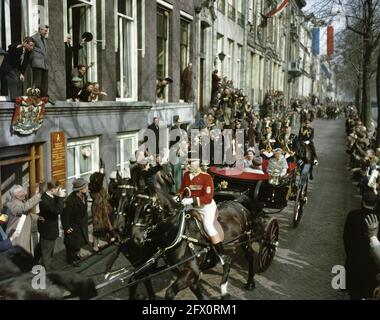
[[87, 36]]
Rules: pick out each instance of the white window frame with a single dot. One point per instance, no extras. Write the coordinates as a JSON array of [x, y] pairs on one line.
[[134, 61], [165, 4], [91, 27], [77, 144], [124, 164]]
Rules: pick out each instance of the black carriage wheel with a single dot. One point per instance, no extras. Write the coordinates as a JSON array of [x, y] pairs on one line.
[[268, 245]]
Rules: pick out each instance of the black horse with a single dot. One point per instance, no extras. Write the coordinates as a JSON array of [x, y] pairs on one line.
[[125, 192], [180, 235]]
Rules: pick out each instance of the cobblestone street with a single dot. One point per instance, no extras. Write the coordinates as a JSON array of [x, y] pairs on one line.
[[302, 268]]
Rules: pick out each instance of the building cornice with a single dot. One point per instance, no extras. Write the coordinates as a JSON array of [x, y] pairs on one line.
[[68, 109]]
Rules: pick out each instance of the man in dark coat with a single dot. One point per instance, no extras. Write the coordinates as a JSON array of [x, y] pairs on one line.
[[187, 82], [156, 130], [306, 131], [142, 173], [71, 58], [51, 206], [74, 89], [40, 61], [75, 221], [14, 66], [215, 84], [361, 269]]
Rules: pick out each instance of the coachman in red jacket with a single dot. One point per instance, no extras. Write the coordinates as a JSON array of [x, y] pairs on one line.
[[200, 197]]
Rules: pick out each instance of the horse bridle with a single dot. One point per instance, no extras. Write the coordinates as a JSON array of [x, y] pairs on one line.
[[155, 207]]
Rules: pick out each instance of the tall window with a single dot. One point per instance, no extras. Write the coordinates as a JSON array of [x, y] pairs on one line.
[[251, 11], [261, 84], [82, 18], [250, 75], [220, 64], [239, 70], [126, 62], [185, 49], [222, 6], [240, 15], [162, 42], [82, 158], [126, 145], [231, 10], [231, 58]]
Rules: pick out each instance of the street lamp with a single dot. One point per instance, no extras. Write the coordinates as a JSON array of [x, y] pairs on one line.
[[221, 56]]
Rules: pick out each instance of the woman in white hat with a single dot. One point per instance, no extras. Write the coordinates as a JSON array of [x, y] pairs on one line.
[[278, 163]]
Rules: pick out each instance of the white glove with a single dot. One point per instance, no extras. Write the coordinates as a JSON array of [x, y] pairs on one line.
[[62, 193], [15, 235], [307, 142], [187, 201], [316, 162]]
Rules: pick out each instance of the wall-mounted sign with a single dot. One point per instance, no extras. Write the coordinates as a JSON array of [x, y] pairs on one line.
[[58, 157]]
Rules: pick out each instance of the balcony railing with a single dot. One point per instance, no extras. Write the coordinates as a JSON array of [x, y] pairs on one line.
[[294, 68], [231, 12], [240, 19]]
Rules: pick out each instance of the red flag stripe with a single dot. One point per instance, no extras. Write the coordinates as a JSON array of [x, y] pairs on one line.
[[278, 9], [330, 40]]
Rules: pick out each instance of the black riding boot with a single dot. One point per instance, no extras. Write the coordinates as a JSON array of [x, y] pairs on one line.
[[222, 257]]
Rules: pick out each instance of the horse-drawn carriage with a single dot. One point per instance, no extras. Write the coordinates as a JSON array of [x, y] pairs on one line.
[[265, 191], [157, 227], [154, 227]]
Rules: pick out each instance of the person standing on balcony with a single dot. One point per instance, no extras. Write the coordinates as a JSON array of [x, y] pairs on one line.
[[14, 66], [71, 58], [40, 62]]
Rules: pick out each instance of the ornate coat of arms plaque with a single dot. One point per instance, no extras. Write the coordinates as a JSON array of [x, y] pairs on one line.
[[29, 113]]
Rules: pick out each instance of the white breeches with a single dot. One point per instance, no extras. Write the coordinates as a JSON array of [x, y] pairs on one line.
[[207, 213]]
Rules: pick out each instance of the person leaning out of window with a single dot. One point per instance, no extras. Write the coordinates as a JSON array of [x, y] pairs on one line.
[[14, 66]]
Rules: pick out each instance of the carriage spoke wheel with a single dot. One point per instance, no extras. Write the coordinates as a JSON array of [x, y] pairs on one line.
[[299, 205], [268, 245]]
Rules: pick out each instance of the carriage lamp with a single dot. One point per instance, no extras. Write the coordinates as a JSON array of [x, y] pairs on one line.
[[275, 178], [224, 185]]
